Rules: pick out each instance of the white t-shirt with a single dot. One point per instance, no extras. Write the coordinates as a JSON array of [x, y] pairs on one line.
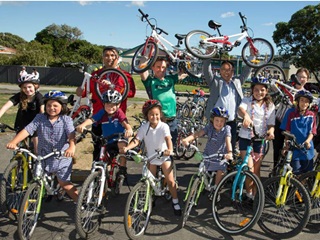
[[154, 139], [259, 117]]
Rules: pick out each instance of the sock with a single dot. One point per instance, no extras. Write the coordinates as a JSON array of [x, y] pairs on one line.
[[175, 202], [249, 195]]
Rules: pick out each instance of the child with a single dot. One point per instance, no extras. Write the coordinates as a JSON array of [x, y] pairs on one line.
[[301, 122], [219, 141], [112, 120], [55, 131], [30, 102], [156, 135], [258, 111]]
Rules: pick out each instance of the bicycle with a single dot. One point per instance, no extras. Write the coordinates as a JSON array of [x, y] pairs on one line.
[[205, 46], [93, 194], [194, 108], [233, 211], [287, 201], [146, 55], [15, 179], [108, 78], [140, 200], [199, 182], [43, 185]]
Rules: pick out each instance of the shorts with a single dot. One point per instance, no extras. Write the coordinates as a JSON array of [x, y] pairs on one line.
[[160, 161], [61, 167], [301, 166], [244, 143], [214, 164]]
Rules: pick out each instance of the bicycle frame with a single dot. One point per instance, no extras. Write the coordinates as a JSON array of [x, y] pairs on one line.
[[315, 191]]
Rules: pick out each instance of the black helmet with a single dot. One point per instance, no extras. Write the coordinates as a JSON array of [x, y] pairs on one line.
[[28, 78], [56, 95], [148, 105], [260, 80], [112, 96], [303, 93], [219, 112]]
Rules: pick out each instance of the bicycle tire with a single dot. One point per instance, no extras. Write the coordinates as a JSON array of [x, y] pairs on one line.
[[265, 51], [11, 199], [308, 179], [198, 49], [180, 148], [88, 212], [190, 152], [117, 81], [28, 215], [237, 216], [135, 218], [118, 182], [289, 220], [148, 61], [185, 110], [191, 201], [193, 68]]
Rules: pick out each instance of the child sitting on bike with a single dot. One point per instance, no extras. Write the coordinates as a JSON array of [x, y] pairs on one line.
[[55, 132], [113, 120], [300, 121], [30, 103], [156, 136], [258, 111], [219, 141]]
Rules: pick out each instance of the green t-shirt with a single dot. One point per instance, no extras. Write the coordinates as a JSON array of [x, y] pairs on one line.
[[164, 92]]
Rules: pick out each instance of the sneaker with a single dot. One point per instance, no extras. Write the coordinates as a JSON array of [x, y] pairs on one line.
[[123, 171], [177, 212]]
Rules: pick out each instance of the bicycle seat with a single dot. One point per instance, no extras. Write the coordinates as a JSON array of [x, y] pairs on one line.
[[180, 36], [214, 25]]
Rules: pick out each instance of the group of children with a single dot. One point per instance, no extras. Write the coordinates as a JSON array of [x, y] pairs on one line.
[[44, 119]]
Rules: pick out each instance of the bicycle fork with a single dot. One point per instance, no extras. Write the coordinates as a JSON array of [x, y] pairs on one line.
[[102, 182]]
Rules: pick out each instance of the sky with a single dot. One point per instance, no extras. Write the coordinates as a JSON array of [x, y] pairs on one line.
[[117, 22]]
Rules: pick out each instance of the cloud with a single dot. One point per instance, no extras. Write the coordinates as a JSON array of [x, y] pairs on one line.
[[138, 3], [84, 3], [227, 14], [268, 24]]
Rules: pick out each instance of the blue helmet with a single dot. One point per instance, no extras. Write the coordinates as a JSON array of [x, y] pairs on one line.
[[303, 93], [219, 112], [56, 95], [260, 80]]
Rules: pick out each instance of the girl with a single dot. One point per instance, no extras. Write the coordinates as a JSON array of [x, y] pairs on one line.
[[219, 141], [156, 135], [55, 131], [30, 102], [258, 111]]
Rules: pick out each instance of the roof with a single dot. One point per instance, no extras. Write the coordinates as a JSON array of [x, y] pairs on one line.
[[6, 50]]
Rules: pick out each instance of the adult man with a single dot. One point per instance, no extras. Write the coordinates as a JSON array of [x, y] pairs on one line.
[[110, 58], [225, 91]]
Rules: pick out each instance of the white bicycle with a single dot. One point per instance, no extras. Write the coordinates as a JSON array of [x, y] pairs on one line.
[[205, 46]]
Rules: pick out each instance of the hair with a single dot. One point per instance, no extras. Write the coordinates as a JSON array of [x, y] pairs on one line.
[[306, 71], [110, 48], [24, 97], [64, 109], [161, 113], [267, 99], [160, 59], [227, 62]]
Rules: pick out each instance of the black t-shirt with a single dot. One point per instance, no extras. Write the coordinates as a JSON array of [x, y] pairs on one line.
[[24, 117]]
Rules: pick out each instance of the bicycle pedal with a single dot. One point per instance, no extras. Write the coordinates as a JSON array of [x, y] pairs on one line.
[[12, 216]]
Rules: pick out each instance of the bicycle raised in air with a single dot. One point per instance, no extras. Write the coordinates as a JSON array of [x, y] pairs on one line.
[[93, 194], [110, 78], [199, 182], [43, 185], [15, 179], [140, 200], [287, 201], [255, 53], [233, 211], [147, 53]]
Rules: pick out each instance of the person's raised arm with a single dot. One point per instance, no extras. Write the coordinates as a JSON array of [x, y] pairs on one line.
[[5, 107], [207, 71]]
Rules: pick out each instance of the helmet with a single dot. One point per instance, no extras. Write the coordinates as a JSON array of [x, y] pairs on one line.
[[28, 78], [303, 93], [148, 105], [111, 96], [259, 80], [219, 112], [56, 95]]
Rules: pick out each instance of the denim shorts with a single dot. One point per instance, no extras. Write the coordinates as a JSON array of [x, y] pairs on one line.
[[244, 143]]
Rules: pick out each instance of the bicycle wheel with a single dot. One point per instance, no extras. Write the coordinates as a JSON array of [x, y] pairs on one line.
[[185, 110], [190, 152], [180, 148], [265, 53], [308, 180], [193, 68], [115, 80], [194, 44], [288, 220], [28, 212], [118, 181], [191, 201], [238, 215], [88, 212], [12, 187], [145, 56], [138, 210]]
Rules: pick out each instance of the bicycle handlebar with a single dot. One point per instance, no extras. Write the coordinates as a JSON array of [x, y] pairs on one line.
[[3, 127], [54, 152], [145, 16], [292, 138], [103, 139]]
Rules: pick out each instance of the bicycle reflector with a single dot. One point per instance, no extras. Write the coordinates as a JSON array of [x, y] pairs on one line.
[[198, 156], [137, 158]]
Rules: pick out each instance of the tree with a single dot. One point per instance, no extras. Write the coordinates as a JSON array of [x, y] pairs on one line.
[[299, 39]]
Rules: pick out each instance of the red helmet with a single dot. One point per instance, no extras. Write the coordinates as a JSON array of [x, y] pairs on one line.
[[148, 105]]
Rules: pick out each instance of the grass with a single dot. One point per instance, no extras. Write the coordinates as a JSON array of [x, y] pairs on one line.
[[10, 115]]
